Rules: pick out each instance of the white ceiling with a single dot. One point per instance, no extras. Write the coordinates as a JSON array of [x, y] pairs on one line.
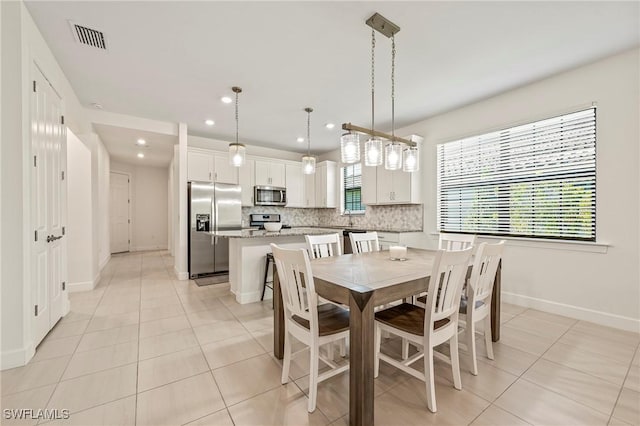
[[174, 60], [121, 144]]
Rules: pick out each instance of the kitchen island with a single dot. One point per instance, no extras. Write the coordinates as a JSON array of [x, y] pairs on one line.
[[247, 256]]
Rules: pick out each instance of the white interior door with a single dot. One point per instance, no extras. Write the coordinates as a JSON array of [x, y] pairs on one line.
[[119, 212], [48, 206]]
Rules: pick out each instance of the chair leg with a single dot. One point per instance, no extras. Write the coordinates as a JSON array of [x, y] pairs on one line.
[[455, 362], [487, 336], [405, 349], [313, 377], [376, 365], [343, 347], [471, 344], [266, 275], [286, 360], [330, 351], [430, 379]]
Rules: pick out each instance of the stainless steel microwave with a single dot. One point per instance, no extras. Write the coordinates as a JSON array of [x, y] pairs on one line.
[[270, 196]]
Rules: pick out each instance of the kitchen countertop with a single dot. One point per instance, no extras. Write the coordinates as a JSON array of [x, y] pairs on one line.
[[371, 229], [255, 233]]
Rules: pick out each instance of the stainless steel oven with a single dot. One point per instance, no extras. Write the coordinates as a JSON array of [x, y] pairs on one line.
[[270, 196]]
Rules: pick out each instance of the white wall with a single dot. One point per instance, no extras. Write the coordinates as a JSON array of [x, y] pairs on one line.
[[22, 48], [149, 195], [596, 283], [79, 216]]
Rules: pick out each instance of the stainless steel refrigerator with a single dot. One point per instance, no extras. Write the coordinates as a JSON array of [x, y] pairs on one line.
[[212, 207]]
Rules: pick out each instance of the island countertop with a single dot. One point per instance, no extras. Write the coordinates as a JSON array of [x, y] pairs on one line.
[[256, 233]]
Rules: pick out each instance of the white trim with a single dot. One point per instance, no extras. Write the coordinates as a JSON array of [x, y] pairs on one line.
[[149, 248], [182, 276], [81, 286], [16, 357], [105, 261], [547, 244], [249, 297], [584, 314]]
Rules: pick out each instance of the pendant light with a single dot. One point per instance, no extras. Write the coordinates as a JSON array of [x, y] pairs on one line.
[[308, 161], [393, 151], [237, 151], [350, 148], [373, 147], [399, 153]]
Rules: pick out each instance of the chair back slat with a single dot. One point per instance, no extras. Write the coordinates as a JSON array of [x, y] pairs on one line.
[[451, 242], [445, 285], [364, 242], [484, 270], [323, 245], [296, 283]]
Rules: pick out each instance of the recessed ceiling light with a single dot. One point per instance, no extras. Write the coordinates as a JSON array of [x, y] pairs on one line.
[[140, 155], [300, 140], [329, 126], [209, 122], [141, 142], [226, 99]]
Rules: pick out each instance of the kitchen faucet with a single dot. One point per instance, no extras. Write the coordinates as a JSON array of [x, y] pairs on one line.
[[348, 212]]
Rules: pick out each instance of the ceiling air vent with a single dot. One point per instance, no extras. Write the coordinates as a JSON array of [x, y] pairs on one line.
[[88, 36]]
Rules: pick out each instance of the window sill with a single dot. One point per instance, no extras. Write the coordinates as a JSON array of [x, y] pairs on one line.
[[353, 214], [583, 246]]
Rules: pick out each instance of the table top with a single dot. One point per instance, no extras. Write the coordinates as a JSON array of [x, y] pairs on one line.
[[372, 271]]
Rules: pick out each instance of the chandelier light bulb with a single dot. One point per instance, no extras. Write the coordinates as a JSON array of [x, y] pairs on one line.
[[373, 152], [411, 162], [350, 148], [393, 156]]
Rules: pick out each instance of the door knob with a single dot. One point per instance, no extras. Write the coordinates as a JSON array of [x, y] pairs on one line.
[[48, 238]]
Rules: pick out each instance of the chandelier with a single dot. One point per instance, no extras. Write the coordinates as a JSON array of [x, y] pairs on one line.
[[399, 153]]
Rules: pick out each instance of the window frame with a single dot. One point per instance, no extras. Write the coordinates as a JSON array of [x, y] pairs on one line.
[[343, 192], [504, 220]]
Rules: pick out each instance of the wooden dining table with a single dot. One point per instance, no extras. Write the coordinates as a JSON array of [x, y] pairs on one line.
[[362, 282]]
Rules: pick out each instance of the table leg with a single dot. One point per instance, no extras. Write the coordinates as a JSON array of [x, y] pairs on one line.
[[278, 317], [361, 358], [495, 304]]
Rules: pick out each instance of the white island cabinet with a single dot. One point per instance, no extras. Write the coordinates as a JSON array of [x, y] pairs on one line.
[[247, 257]]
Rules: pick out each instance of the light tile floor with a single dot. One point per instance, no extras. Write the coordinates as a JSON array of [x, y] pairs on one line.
[[146, 349]]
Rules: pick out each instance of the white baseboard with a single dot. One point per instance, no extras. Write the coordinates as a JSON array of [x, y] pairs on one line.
[[148, 248], [16, 357], [80, 286], [182, 276], [254, 296], [104, 262], [584, 314]]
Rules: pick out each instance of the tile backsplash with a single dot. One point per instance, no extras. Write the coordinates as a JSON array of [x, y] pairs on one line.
[[397, 217]]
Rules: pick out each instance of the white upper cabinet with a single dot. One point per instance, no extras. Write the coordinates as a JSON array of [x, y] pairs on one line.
[[295, 185], [369, 185], [247, 180], [199, 166], [309, 190], [223, 171], [325, 184], [270, 173], [381, 186]]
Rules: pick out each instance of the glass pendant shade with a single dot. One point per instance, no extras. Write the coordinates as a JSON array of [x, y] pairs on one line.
[[350, 148], [410, 161], [308, 165], [393, 156], [373, 152], [237, 154]]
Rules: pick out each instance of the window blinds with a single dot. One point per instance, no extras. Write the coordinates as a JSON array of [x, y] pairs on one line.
[[352, 184], [533, 180]]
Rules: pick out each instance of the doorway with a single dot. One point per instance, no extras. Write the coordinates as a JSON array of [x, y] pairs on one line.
[[119, 212]]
